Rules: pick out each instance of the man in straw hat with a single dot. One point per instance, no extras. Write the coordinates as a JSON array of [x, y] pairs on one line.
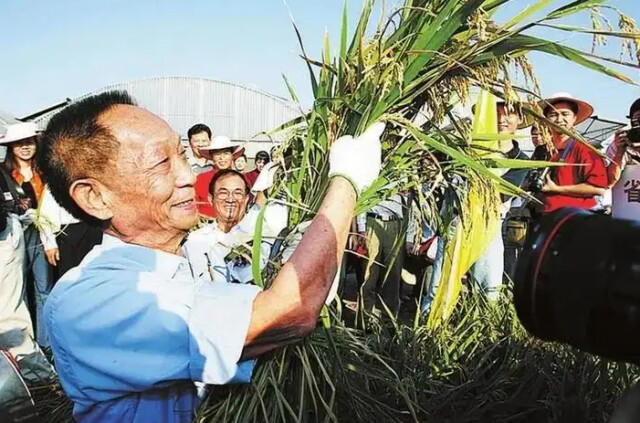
[[222, 150], [132, 327], [578, 185]]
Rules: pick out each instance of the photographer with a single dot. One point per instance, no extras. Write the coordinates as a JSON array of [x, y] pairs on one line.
[[624, 149], [577, 185]]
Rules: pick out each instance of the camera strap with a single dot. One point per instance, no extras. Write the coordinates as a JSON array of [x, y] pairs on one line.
[[11, 185], [566, 151]]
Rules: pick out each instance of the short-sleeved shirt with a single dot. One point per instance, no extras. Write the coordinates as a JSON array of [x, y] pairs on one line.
[[132, 331], [593, 172], [200, 166]]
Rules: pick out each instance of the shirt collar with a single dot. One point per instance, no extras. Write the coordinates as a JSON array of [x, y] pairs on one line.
[[200, 162], [163, 263]]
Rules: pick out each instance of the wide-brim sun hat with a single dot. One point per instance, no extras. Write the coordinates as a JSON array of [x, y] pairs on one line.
[[585, 110], [222, 142], [527, 120], [19, 131]]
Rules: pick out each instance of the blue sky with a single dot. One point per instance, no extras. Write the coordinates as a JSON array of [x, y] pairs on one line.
[[54, 49]]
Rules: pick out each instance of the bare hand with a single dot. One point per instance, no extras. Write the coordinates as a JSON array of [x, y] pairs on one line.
[[352, 242], [549, 185], [24, 204], [53, 256], [362, 241]]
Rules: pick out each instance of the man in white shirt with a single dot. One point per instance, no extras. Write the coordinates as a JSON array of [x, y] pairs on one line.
[[219, 251]]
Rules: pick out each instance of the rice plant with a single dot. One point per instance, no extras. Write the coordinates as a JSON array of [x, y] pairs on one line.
[[471, 361], [471, 366]]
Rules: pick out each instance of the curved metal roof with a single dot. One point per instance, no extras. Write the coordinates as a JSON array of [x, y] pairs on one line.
[[5, 120], [229, 109]]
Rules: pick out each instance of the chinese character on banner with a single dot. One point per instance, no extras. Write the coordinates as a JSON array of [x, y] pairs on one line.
[[625, 195], [632, 189]]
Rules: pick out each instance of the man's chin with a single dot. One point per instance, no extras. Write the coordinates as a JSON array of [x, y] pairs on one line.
[[186, 221]]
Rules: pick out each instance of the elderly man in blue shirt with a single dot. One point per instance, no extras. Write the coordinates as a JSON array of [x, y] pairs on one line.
[[132, 329]]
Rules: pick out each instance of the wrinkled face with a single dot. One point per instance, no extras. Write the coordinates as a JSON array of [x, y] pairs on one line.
[[508, 121], [230, 198], [562, 115], [198, 141], [222, 159], [635, 118], [260, 164], [151, 190], [24, 149], [241, 163]]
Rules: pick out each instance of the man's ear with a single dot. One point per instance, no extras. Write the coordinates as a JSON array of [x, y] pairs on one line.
[[210, 198], [246, 202], [91, 196]]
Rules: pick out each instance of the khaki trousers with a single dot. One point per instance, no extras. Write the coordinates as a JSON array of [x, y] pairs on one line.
[[382, 275]]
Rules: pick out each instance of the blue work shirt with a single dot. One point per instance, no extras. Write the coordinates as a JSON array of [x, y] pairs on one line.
[[132, 330]]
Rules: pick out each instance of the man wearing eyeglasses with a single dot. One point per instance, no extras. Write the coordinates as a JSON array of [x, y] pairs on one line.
[[219, 251], [221, 150]]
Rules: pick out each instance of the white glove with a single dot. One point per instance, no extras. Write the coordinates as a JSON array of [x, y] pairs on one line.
[[358, 159], [265, 179]]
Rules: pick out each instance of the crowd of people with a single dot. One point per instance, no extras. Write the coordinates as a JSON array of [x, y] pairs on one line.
[[124, 255]]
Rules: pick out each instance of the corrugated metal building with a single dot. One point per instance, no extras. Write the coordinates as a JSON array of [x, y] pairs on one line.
[[239, 112], [6, 119]]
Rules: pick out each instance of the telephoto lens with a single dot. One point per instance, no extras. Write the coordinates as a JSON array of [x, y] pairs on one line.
[[578, 282]]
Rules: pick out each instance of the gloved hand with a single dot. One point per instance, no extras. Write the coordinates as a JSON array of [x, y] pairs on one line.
[[358, 159], [265, 179]]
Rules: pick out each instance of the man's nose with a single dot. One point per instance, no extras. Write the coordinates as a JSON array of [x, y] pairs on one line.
[[185, 175]]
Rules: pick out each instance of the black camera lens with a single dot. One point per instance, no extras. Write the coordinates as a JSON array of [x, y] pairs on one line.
[[578, 282]]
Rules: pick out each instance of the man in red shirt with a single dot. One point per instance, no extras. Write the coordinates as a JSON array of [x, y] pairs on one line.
[[571, 186], [222, 149]]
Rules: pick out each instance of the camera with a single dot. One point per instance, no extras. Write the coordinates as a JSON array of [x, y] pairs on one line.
[[536, 179], [633, 135], [578, 282]]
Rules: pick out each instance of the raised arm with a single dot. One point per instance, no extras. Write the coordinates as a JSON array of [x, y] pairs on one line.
[[289, 309]]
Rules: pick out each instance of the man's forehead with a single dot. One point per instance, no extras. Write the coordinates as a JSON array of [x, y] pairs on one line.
[[230, 181], [135, 126], [562, 106]]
